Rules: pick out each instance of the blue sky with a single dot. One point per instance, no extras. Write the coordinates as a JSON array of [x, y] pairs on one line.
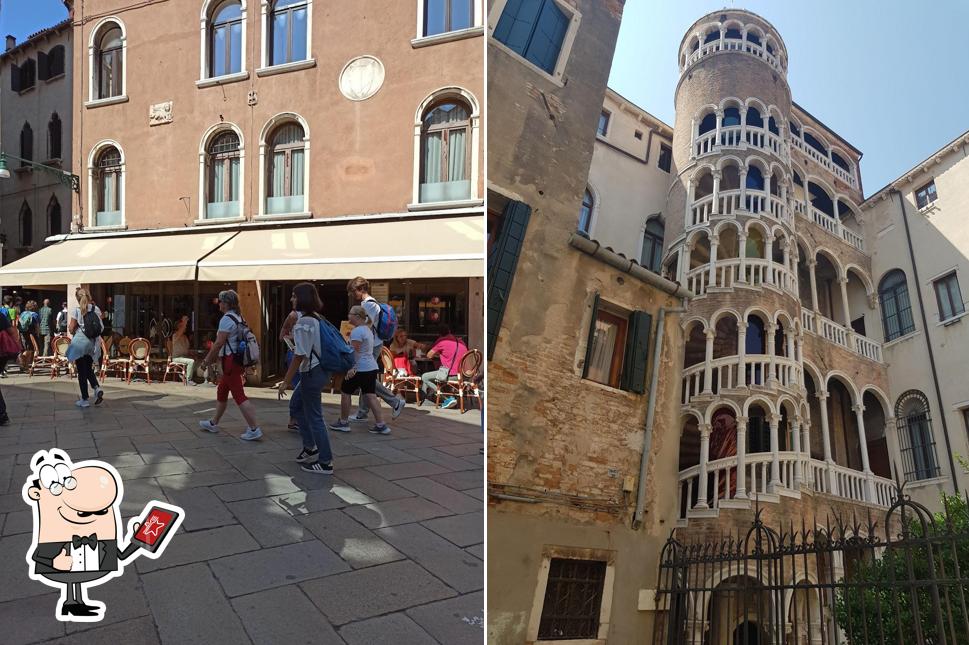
[[21, 18], [890, 77]]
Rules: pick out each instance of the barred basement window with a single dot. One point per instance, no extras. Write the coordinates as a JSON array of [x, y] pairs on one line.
[[914, 426], [573, 599]]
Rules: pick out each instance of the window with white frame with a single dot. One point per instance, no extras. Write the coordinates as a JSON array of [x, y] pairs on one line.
[[603, 127], [446, 152], [948, 296], [225, 39], [926, 194], [223, 176], [288, 37], [109, 53], [536, 30], [285, 169], [916, 440], [652, 253], [585, 213], [443, 16], [108, 190]]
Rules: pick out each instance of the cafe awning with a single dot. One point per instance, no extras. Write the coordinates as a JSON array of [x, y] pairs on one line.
[[148, 258], [409, 248]]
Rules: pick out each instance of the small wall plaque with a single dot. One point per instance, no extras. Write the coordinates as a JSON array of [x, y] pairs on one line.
[[160, 113]]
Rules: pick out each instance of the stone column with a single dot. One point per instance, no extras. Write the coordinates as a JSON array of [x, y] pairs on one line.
[[796, 437], [716, 192], [775, 469], [689, 202], [784, 199], [714, 246], [771, 380], [742, 255], [769, 257], [743, 126], [741, 353], [708, 365], [743, 188], [844, 301], [741, 458], [702, 493], [694, 138], [863, 440], [718, 143], [786, 247], [812, 263], [826, 437], [682, 264]]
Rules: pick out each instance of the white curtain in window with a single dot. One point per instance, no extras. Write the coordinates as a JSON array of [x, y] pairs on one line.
[[109, 192], [278, 175], [216, 192], [234, 188], [296, 175], [456, 155], [432, 158], [603, 345]]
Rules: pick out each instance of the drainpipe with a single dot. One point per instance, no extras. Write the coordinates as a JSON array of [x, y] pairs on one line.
[[651, 414], [928, 342]]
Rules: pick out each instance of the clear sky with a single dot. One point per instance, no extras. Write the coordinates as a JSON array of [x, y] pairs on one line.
[[21, 18], [890, 77]]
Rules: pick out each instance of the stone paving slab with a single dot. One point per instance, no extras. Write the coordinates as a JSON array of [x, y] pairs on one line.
[[267, 553]]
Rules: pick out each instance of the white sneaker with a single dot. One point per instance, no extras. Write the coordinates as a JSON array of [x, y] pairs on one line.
[[251, 434], [208, 425], [356, 418], [82, 403], [399, 407]]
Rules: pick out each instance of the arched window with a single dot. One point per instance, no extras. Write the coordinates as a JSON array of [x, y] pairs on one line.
[[712, 36], [731, 116], [753, 38], [223, 179], [652, 254], [54, 137], [445, 152], [820, 199], [733, 33], [54, 224], [108, 189], [26, 226], [795, 130], [755, 178], [754, 118], [772, 126], [109, 62], [442, 16], [914, 426], [225, 39], [840, 161], [896, 308], [288, 31], [812, 141], [26, 144], [708, 124], [286, 170], [585, 213]]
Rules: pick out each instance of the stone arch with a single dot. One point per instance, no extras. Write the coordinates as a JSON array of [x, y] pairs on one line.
[[724, 311], [793, 408], [762, 400], [831, 257], [701, 170], [862, 275], [846, 381], [731, 101], [685, 415], [720, 404], [687, 324]]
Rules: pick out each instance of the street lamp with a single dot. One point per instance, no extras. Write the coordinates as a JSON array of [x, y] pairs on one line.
[[70, 180]]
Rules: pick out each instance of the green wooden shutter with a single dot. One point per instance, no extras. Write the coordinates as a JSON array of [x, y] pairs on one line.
[[15, 78], [636, 358], [43, 66], [502, 262], [592, 336]]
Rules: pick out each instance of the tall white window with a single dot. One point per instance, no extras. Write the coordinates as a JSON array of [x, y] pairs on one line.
[[109, 58], [442, 16], [223, 176], [225, 40], [585, 213], [285, 169], [288, 31], [108, 186], [445, 152]]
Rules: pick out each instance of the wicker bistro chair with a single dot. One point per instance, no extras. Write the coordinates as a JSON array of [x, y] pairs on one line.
[[176, 370], [464, 384], [139, 361], [402, 385], [38, 361], [58, 346], [114, 365]]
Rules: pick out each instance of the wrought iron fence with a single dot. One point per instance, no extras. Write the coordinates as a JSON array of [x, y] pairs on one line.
[[903, 580]]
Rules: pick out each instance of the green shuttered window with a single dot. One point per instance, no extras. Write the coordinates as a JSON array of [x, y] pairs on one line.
[[502, 262], [617, 351]]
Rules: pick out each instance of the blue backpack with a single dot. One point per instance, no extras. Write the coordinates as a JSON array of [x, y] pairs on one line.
[[386, 324], [337, 355]]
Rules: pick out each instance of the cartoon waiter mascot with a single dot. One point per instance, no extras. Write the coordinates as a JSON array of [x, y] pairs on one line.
[[76, 509]]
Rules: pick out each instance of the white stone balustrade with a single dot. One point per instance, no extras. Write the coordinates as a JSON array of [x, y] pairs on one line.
[[834, 226], [819, 325]]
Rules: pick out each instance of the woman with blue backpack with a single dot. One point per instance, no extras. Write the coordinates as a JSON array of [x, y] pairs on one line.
[[319, 351]]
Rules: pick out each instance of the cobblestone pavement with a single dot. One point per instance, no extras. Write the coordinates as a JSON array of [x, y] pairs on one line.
[[387, 550]]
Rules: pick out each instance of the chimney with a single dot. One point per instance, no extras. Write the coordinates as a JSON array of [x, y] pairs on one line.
[[11, 42]]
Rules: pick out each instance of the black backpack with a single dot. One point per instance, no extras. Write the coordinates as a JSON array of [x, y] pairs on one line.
[[92, 324]]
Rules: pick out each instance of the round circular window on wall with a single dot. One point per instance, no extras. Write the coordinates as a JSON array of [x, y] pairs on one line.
[[361, 78]]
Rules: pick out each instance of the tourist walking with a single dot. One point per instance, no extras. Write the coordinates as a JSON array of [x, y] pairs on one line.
[[29, 326], [286, 337], [359, 290], [11, 314], [46, 326], [85, 328], [232, 329], [363, 375], [306, 405], [8, 349], [62, 317], [450, 349]]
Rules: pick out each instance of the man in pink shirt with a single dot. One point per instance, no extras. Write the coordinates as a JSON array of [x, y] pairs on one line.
[[450, 349]]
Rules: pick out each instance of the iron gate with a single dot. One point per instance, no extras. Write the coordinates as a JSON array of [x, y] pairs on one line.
[[903, 580]]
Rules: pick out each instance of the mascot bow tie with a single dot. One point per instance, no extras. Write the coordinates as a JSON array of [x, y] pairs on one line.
[[90, 540]]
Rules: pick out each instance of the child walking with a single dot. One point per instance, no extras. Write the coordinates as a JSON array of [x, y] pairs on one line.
[[363, 375]]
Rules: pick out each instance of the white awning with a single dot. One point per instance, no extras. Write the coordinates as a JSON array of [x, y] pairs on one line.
[[413, 248], [148, 258]]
